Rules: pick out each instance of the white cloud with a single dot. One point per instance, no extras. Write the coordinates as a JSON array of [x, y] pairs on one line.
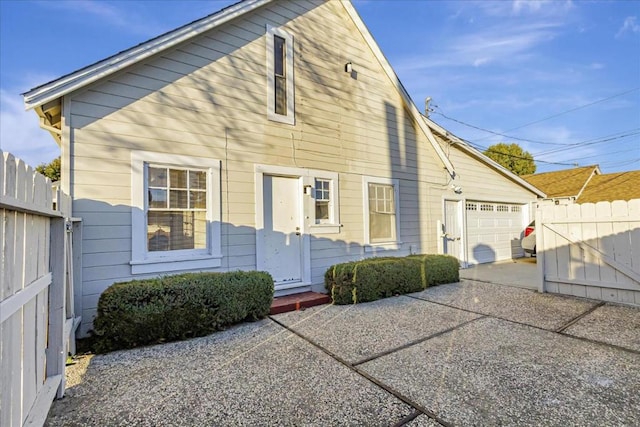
[[20, 133], [630, 25]]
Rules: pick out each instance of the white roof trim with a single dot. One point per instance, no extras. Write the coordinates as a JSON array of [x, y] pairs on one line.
[[396, 81], [69, 83], [469, 149]]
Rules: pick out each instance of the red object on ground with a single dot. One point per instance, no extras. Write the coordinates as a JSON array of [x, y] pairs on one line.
[[297, 301]]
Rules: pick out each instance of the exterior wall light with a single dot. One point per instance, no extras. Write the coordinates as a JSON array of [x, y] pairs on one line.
[[348, 67]]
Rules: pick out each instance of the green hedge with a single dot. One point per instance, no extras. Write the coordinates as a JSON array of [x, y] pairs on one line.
[[170, 308], [375, 278]]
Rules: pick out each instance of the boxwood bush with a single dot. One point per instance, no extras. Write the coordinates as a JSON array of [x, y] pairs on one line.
[[170, 308], [375, 278]]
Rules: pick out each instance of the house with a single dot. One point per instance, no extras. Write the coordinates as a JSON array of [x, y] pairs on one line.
[[564, 186], [587, 185], [252, 139]]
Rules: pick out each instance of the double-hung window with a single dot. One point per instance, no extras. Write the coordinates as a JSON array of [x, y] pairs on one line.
[[175, 213], [382, 224], [177, 208], [323, 201], [280, 85]]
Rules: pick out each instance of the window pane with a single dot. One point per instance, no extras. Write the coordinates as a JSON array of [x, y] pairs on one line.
[[157, 198], [322, 211], [178, 199], [197, 180], [381, 227], [178, 178], [157, 177], [280, 95], [198, 200], [175, 230], [279, 50]]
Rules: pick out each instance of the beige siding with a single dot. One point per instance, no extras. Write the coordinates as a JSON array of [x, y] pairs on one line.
[[207, 98]]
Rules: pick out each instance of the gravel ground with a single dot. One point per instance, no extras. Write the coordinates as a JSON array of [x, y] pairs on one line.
[[355, 332], [612, 323], [253, 374], [493, 372], [416, 355], [423, 421], [545, 311]]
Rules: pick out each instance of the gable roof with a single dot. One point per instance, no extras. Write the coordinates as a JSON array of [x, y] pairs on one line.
[[564, 183], [460, 143], [612, 186], [51, 92]]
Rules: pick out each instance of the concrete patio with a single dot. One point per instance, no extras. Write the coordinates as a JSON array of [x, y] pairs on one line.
[[468, 353]]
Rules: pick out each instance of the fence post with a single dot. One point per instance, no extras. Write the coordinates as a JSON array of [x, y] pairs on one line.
[[540, 249], [56, 357]]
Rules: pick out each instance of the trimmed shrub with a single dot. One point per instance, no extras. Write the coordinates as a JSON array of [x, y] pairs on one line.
[[375, 278], [170, 308]]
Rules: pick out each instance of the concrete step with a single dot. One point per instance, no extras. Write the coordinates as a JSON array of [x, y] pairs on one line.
[[298, 301]]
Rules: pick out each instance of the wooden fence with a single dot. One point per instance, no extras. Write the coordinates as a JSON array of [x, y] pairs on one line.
[[590, 250], [37, 317]]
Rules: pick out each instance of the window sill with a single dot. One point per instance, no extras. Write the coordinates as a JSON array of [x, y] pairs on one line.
[[281, 118], [325, 228], [169, 264], [380, 247]]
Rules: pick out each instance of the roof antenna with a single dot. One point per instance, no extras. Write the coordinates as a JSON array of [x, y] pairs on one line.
[[427, 110]]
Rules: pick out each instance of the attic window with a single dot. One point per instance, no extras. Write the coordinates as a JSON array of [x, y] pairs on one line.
[[280, 87]]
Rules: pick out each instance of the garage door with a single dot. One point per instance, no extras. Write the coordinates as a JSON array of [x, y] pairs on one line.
[[493, 231]]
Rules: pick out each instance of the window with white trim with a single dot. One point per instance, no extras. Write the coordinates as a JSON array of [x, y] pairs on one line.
[[176, 209], [382, 224], [175, 213], [280, 84], [323, 201]]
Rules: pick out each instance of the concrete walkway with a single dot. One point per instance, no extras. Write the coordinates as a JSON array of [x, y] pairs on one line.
[[468, 353], [521, 272]]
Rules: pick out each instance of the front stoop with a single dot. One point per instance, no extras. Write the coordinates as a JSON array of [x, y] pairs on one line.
[[298, 301]]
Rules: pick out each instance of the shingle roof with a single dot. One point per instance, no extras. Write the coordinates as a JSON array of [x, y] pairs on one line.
[[612, 186], [564, 183]]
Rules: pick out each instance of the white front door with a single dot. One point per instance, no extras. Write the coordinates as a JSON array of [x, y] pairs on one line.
[[282, 237], [452, 229]]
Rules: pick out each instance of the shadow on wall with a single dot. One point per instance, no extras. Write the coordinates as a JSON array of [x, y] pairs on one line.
[[107, 251]]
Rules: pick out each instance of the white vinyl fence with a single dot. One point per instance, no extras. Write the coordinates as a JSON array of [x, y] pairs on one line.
[[37, 320], [590, 250]]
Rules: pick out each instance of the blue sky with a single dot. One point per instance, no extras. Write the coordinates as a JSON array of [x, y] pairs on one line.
[[561, 78]]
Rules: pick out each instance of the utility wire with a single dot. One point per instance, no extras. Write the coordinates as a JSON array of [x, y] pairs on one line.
[[572, 110], [493, 132], [607, 138]]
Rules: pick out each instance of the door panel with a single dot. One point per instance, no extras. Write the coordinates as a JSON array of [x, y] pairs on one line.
[[282, 238], [452, 229]]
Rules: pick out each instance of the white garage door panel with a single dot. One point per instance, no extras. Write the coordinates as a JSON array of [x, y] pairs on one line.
[[493, 231]]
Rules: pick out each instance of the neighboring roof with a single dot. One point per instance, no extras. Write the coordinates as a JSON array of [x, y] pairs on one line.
[[564, 183], [612, 186], [481, 157], [55, 89]]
